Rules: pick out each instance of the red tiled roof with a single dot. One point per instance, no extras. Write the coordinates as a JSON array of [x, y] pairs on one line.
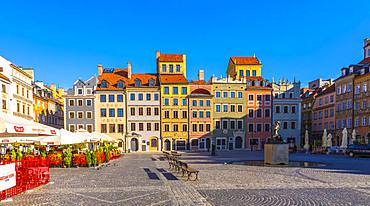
[[199, 82], [245, 60], [173, 78], [171, 58], [144, 78], [330, 89], [365, 61], [2, 76], [119, 74]]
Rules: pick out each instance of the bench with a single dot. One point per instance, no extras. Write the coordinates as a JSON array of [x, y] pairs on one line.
[[189, 171], [180, 166]]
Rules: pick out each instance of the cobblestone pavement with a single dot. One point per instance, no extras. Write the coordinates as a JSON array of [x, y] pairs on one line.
[[144, 179]]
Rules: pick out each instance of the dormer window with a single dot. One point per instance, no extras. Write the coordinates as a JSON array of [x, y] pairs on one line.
[[151, 82], [120, 84], [104, 84], [137, 83]]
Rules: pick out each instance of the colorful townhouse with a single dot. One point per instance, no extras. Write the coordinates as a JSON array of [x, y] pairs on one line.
[[200, 114], [4, 92], [143, 113], [79, 105], [287, 110], [110, 102], [174, 103], [323, 114]]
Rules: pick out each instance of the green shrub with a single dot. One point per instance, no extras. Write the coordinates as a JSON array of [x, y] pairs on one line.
[[88, 158], [67, 157], [93, 158], [13, 155], [19, 155]]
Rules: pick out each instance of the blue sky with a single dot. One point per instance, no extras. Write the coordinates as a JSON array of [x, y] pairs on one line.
[[65, 40]]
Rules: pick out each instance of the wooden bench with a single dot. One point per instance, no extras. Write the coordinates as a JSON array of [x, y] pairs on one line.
[[189, 171], [180, 166]]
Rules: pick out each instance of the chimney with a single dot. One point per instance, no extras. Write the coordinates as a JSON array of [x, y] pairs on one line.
[[100, 69], [201, 75], [129, 69], [53, 87], [213, 78], [157, 54]]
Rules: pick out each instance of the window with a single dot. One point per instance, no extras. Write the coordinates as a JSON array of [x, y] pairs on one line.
[[218, 94], [120, 84], [201, 114], [103, 98], [232, 108], [164, 69], [195, 126], [120, 98], [166, 114], [132, 111], [175, 127], [364, 121], [112, 112], [80, 102], [285, 125], [184, 90], [120, 128], [259, 97], [218, 108], [120, 112], [71, 115], [208, 103], [224, 124], [88, 91], [277, 109], [201, 102], [175, 90], [80, 115], [104, 84], [293, 125], [140, 97], [72, 128], [175, 101], [240, 124], [88, 102], [103, 128], [208, 127], [241, 73], [184, 102], [137, 83], [71, 102], [225, 108], [184, 127], [232, 124], [232, 94], [171, 68], [3, 88], [218, 124], [132, 96], [254, 73], [208, 114], [166, 90], [259, 127], [166, 102], [267, 127], [250, 128], [250, 113], [184, 114], [293, 109], [141, 126], [148, 111], [195, 114], [103, 112], [148, 126], [166, 127], [148, 97], [133, 126], [267, 97], [156, 126], [286, 109], [156, 111], [240, 95], [89, 128], [141, 111], [89, 115], [112, 128], [251, 97], [177, 67], [175, 114], [248, 73], [224, 94], [4, 104], [259, 113], [267, 113]]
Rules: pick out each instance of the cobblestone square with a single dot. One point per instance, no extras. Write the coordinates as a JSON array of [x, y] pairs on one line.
[[144, 179]]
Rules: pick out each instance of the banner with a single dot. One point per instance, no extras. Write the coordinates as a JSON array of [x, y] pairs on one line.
[[7, 176]]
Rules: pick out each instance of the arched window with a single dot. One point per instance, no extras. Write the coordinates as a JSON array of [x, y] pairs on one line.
[[151, 82], [104, 84], [120, 84], [137, 83]]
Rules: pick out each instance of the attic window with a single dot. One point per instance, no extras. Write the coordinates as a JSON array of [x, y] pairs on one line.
[[104, 84], [151, 82], [137, 83], [120, 84]]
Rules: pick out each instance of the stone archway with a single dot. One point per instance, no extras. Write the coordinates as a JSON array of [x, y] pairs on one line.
[[238, 142], [134, 144], [167, 145]]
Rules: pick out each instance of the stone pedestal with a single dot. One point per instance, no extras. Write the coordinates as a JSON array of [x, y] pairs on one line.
[[276, 154]]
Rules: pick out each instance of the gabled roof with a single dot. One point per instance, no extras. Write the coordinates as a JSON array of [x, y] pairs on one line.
[[173, 78], [365, 61], [144, 78], [248, 60], [2, 76], [171, 58], [118, 74]]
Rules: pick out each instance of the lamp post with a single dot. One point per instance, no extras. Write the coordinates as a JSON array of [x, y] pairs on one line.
[[2, 151], [47, 149]]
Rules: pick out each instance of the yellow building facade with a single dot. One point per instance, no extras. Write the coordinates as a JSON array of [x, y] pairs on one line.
[[240, 67]]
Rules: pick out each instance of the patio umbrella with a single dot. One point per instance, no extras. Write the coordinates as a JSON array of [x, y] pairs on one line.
[[344, 138], [64, 138], [353, 136], [330, 142], [324, 138], [306, 140]]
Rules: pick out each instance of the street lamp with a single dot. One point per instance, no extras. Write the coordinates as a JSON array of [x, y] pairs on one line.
[[47, 149]]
